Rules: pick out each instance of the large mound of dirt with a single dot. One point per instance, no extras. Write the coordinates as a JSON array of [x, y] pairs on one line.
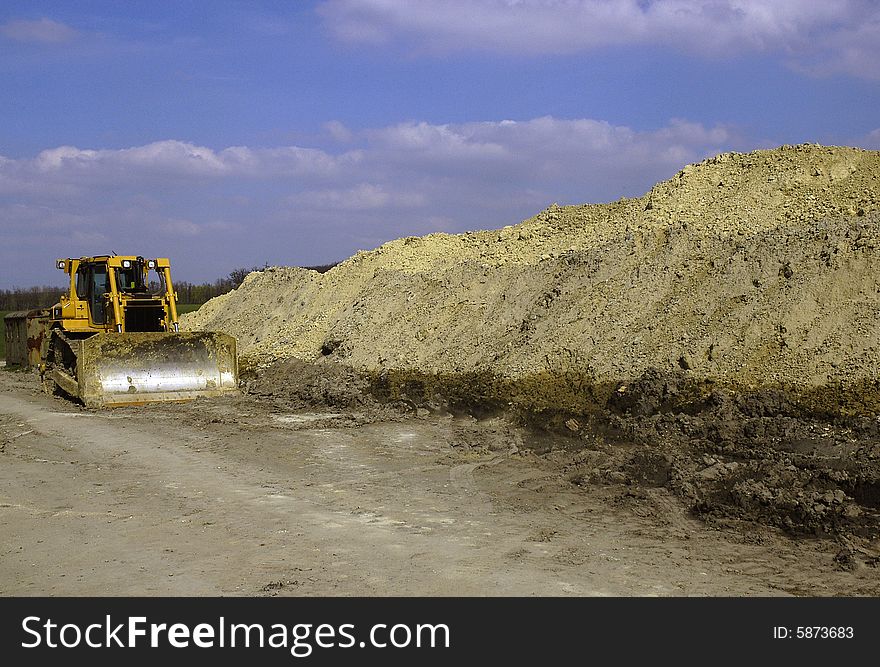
[[747, 271]]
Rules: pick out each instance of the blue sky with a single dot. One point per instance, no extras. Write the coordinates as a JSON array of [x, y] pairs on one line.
[[230, 134]]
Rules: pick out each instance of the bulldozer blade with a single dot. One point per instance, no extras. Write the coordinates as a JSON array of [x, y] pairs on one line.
[[137, 368]]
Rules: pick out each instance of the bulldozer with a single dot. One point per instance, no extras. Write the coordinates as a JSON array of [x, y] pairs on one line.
[[114, 338]]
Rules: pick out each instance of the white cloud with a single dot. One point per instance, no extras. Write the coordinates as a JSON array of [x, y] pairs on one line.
[[391, 166], [338, 131], [826, 37], [168, 157], [853, 50], [565, 155], [437, 143], [361, 197], [66, 167], [404, 165], [42, 30]]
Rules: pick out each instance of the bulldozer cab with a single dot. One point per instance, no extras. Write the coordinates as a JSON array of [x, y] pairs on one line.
[[116, 293]]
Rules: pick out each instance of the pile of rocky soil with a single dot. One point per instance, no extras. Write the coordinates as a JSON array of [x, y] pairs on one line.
[[746, 271], [718, 337]]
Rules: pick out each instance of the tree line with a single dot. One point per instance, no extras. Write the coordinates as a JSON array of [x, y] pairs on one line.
[[43, 296], [30, 297]]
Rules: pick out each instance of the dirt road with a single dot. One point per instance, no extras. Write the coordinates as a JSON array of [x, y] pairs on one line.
[[234, 497]]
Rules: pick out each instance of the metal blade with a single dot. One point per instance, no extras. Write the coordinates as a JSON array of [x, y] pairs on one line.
[[134, 368]]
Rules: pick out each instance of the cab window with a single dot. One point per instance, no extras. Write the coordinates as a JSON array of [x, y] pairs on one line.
[[100, 285], [130, 280], [82, 283]]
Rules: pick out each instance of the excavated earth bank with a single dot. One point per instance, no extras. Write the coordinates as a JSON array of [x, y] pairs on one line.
[[719, 336]]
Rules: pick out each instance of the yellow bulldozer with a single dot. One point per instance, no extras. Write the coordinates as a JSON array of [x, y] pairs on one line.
[[114, 338]]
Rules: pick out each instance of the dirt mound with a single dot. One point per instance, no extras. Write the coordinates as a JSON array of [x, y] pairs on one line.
[[745, 270], [717, 337]]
